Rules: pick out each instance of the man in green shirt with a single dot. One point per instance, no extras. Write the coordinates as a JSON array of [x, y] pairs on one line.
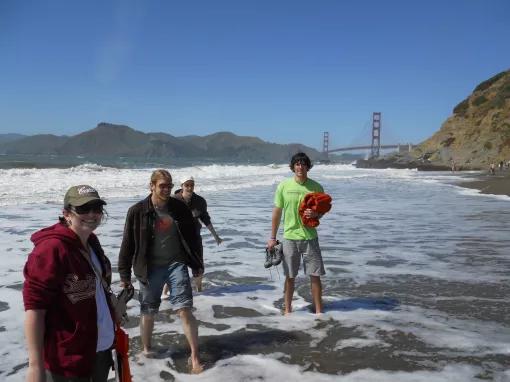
[[299, 241]]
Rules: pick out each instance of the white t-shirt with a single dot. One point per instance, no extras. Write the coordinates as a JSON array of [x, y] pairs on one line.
[[105, 333]]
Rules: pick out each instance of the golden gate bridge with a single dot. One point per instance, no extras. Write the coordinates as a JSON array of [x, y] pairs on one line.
[[375, 147]]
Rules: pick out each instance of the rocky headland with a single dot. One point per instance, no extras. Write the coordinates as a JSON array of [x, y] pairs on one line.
[[474, 136]]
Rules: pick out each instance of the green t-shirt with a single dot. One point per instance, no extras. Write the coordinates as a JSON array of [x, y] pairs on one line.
[[288, 196]]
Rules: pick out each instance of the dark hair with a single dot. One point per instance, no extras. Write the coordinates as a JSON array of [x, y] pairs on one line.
[[62, 220], [300, 158]]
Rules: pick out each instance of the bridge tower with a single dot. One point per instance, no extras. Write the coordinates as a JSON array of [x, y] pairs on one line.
[[376, 134], [325, 145]]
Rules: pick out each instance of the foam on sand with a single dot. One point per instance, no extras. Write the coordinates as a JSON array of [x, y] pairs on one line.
[[416, 288]]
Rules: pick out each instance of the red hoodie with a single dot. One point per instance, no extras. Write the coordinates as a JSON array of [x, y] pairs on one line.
[[59, 279]]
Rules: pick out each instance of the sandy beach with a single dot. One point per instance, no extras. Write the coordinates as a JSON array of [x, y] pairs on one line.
[[498, 184]]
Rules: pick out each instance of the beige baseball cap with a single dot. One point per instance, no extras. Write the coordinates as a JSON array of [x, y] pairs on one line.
[[79, 195], [184, 179]]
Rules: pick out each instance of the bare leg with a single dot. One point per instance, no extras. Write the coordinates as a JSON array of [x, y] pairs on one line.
[[316, 293], [190, 327], [288, 292], [146, 328], [165, 290]]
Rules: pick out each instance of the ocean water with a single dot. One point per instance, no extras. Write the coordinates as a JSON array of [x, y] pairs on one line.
[[417, 284]]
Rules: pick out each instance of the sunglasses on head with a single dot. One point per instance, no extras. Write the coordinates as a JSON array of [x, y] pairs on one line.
[[86, 208]]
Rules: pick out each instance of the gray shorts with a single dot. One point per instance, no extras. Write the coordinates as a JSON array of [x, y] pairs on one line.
[[310, 250]]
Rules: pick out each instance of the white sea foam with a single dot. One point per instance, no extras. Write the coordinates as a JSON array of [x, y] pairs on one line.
[[388, 230], [267, 368], [23, 186]]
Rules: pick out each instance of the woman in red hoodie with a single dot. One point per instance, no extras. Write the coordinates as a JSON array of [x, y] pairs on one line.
[[69, 325]]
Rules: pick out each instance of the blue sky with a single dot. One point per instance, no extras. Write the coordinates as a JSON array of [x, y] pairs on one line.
[[284, 71]]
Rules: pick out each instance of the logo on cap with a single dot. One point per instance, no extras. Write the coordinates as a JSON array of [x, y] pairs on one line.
[[85, 190]]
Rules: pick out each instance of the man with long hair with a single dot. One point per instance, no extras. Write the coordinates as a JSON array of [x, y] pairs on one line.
[[159, 244]]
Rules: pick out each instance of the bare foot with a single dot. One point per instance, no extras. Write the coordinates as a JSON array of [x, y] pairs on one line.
[[149, 352], [195, 367], [154, 351]]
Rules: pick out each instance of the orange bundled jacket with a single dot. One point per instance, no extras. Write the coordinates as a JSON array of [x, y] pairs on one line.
[[317, 201]]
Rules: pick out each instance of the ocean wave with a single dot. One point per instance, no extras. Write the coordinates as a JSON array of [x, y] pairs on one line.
[[28, 186], [91, 167]]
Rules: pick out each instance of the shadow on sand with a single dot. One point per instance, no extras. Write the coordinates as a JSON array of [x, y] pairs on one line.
[[369, 303], [257, 338], [244, 341]]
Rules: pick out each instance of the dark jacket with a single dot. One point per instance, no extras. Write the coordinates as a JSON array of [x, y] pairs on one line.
[[60, 280], [139, 235], [198, 207]]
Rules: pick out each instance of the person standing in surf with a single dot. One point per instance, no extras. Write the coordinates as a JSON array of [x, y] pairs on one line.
[[299, 241], [159, 243], [69, 323], [198, 207]]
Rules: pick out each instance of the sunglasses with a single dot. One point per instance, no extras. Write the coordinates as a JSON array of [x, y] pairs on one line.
[[165, 185], [86, 208]]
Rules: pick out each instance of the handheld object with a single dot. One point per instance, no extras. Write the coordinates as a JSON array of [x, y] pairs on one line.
[[274, 255], [121, 356]]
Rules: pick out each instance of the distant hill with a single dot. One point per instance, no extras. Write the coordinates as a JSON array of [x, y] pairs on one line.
[[4, 138], [478, 132], [227, 145], [35, 144], [118, 140]]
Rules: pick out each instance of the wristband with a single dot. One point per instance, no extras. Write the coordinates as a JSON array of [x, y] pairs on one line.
[[273, 238]]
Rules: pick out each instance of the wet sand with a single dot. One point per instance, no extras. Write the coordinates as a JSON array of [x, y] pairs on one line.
[[498, 184], [416, 287]]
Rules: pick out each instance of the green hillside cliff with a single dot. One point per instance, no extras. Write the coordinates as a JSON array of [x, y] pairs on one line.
[[478, 132]]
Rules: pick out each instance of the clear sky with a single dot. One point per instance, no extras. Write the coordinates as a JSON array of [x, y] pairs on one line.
[[282, 70]]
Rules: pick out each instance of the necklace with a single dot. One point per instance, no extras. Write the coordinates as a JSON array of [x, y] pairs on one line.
[[158, 207]]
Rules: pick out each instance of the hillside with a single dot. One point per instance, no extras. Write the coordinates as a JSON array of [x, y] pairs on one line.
[[35, 144], [4, 138], [226, 145], [109, 140], [478, 131]]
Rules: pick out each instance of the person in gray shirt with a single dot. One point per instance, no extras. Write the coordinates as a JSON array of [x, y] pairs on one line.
[[159, 243], [198, 207]]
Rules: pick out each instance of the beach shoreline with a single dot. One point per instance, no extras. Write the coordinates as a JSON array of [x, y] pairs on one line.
[[416, 288], [498, 184]]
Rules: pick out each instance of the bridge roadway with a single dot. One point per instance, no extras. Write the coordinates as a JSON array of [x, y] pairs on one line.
[[365, 148]]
